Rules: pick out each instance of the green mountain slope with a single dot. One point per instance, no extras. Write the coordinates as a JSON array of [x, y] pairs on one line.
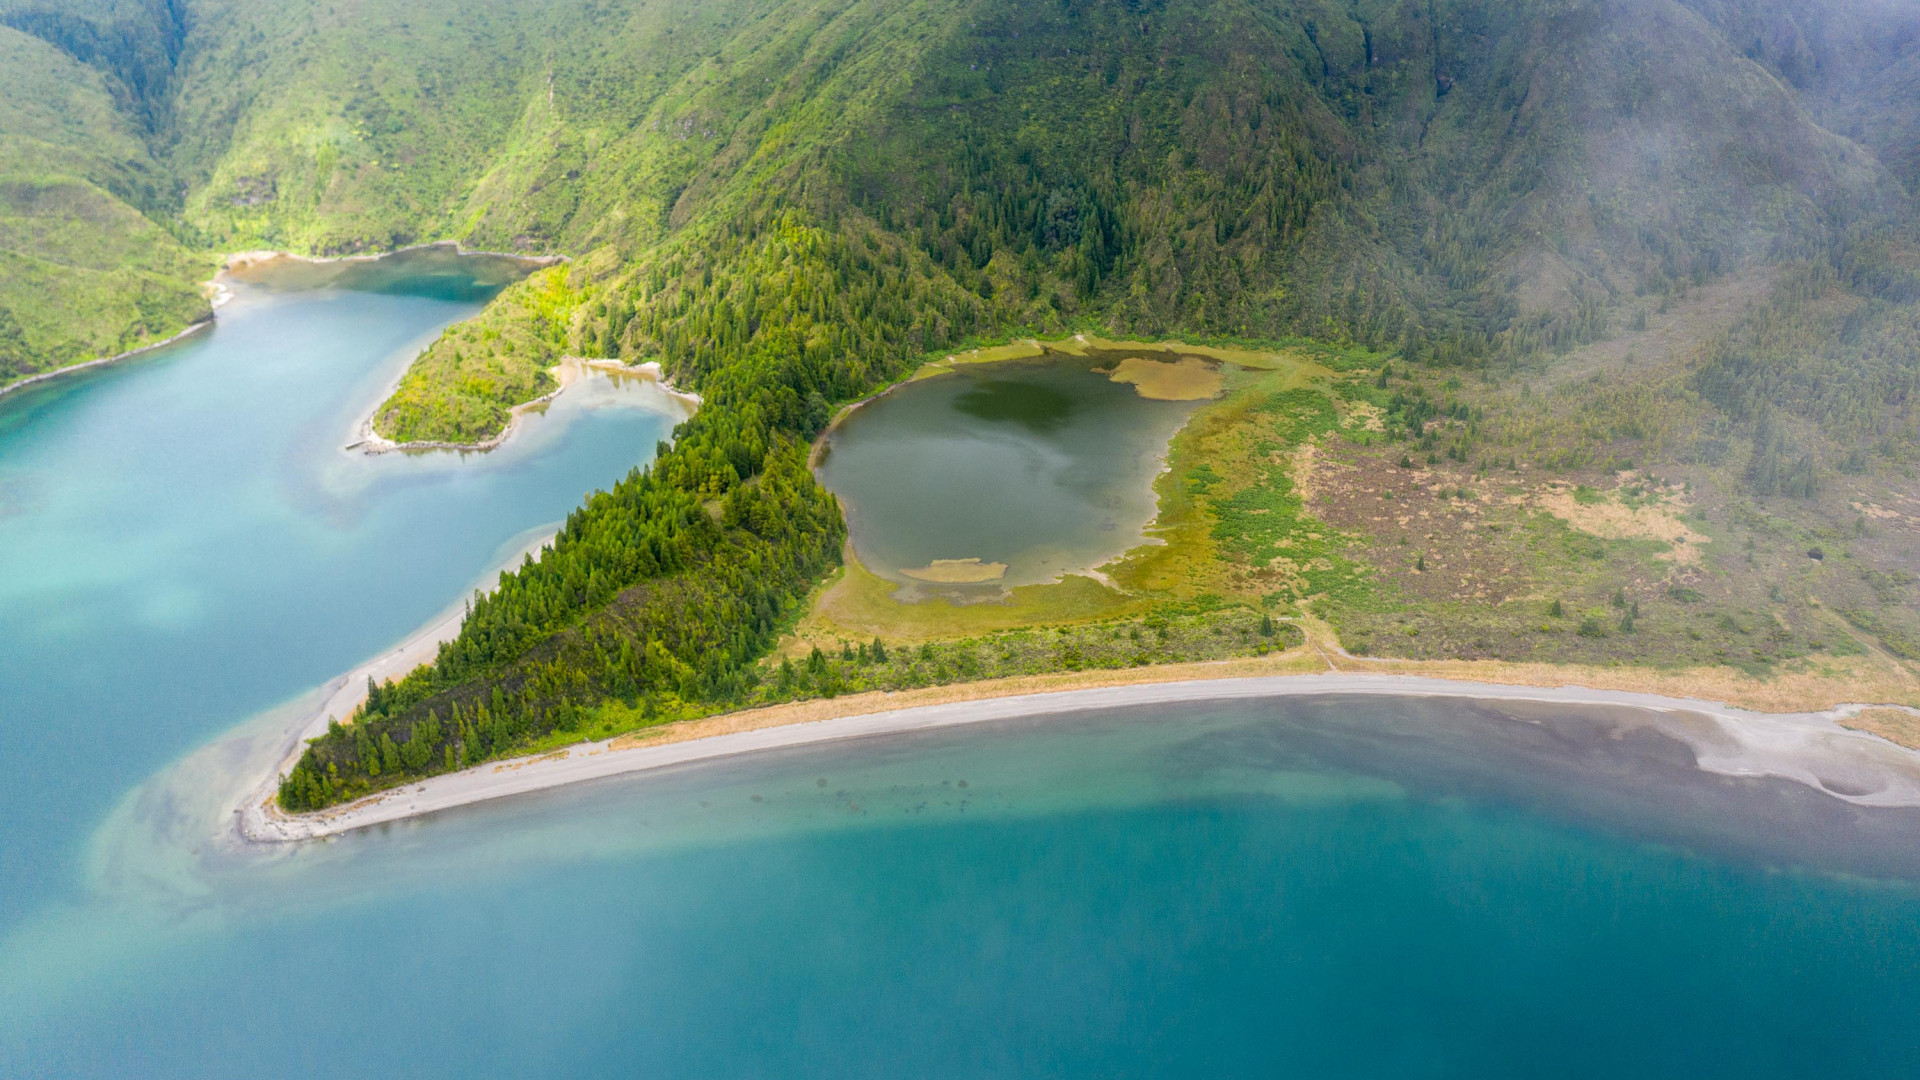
[[1483, 187], [1491, 188], [1672, 233], [84, 273]]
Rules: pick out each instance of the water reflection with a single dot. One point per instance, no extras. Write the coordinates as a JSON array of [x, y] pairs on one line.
[[1008, 473]]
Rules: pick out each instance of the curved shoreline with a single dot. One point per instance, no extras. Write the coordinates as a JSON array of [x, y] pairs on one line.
[[1031, 348], [372, 442], [248, 258], [46, 376], [342, 694], [242, 259], [1809, 747], [1026, 348]]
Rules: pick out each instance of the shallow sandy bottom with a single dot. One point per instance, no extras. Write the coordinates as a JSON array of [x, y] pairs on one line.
[[1811, 748], [958, 571], [1187, 379]]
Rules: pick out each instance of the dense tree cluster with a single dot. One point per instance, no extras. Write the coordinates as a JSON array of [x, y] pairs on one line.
[[1827, 375], [789, 219], [673, 583]]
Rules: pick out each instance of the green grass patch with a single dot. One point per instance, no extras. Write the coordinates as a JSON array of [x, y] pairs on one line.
[[464, 387]]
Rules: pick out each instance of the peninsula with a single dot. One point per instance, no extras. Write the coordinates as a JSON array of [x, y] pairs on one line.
[[1525, 336]]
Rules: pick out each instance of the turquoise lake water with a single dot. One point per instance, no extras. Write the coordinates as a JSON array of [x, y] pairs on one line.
[[1337, 886], [187, 543]]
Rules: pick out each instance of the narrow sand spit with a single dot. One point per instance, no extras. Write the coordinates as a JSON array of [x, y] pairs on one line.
[[345, 693], [1811, 748]]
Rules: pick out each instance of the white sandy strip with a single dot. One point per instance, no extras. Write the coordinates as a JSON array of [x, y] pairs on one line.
[[345, 693], [1809, 748]]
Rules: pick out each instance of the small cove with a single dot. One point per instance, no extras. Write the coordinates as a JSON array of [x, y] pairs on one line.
[[189, 543], [977, 477]]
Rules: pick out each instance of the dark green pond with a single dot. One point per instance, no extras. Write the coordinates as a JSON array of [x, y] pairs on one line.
[[1044, 465]]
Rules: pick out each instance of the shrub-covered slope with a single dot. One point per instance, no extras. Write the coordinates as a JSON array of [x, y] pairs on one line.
[[791, 202], [84, 272]]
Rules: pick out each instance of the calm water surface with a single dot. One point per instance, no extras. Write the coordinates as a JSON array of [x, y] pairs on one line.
[[1338, 887], [1045, 465], [1352, 887], [186, 542]]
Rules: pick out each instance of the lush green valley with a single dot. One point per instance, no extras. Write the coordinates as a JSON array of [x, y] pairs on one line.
[[1572, 266]]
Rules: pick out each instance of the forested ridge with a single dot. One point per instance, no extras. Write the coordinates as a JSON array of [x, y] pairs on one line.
[[1052, 170], [792, 203]]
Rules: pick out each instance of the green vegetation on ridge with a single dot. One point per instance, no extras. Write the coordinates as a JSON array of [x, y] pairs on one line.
[[1595, 236], [462, 388], [903, 182], [84, 272]]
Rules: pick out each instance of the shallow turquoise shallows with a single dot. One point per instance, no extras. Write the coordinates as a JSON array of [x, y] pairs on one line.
[[1335, 887], [1311, 887], [186, 541]]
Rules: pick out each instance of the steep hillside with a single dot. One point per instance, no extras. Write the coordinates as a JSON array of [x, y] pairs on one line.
[[835, 191], [1484, 192], [1474, 179], [1545, 248], [84, 271]]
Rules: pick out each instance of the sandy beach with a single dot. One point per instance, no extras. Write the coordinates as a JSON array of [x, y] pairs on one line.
[[1810, 747], [1788, 727], [342, 695]]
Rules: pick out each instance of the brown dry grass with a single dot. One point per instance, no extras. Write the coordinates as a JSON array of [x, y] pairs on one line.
[[856, 604], [1614, 519], [1812, 689], [1186, 379], [1894, 725]]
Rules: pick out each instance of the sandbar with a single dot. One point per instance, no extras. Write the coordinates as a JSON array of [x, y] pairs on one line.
[[1810, 748], [958, 571], [1187, 379]]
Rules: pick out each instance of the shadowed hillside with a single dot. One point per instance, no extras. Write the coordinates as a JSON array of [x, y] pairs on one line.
[[91, 261], [1655, 254]]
